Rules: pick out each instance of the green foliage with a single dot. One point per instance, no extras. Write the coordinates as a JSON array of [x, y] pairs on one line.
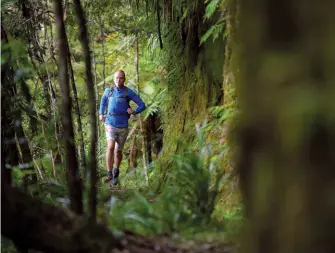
[[7, 246], [214, 31], [187, 199], [192, 171], [211, 8], [234, 224]]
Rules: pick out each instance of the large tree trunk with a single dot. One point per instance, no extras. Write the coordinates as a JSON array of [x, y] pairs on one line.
[[74, 180], [195, 74], [286, 136]]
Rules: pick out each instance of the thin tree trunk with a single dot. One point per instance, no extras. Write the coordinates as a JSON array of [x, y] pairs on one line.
[[56, 155], [92, 109], [149, 138], [103, 75], [74, 180], [159, 24], [96, 92], [145, 166], [76, 108], [103, 53], [133, 151]]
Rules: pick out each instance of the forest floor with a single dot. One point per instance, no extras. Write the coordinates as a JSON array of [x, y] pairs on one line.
[[206, 242]]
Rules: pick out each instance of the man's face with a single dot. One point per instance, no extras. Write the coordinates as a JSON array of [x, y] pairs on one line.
[[119, 79]]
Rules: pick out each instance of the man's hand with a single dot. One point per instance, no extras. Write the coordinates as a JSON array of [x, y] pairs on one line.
[[102, 117], [131, 111]]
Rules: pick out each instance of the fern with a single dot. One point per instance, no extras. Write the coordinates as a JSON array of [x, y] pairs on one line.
[[156, 103], [211, 7], [214, 31]]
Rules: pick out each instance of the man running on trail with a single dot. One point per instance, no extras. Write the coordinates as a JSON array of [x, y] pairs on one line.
[[117, 100]]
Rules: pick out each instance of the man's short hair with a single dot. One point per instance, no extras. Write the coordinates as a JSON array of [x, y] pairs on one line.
[[120, 70]]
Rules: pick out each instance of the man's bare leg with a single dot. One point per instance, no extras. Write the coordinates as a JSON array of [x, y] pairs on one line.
[[109, 156], [117, 156]]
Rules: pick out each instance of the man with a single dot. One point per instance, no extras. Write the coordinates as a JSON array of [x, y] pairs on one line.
[[117, 100]]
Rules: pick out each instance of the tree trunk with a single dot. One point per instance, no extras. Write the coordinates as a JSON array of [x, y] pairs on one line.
[[74, 180], [148, 138], [145, 164], [195, 74], [76, 108], [157, 135], [133, 151], [56, 154], [92, 111], [103, 53], [286, 132], [96, 93]]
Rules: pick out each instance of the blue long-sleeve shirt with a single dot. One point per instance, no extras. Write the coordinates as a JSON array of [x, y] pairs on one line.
[[117, 114]]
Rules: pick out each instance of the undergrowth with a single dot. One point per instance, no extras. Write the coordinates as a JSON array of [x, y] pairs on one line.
[[188, 206]]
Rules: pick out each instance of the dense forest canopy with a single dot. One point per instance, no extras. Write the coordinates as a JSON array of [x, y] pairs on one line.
[[233, 152]]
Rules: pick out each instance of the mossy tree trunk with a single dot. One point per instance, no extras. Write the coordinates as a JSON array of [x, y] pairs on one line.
[[194, 75], [286, 132]]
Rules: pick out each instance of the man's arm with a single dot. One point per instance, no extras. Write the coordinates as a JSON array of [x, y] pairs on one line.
[[103, 102], [136, 98]]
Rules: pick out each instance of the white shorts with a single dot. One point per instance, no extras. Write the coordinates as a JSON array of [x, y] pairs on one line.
[[119, 135]]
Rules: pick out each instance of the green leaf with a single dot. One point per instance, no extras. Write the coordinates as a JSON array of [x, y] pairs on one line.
[[214, 31], [210, 9]]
